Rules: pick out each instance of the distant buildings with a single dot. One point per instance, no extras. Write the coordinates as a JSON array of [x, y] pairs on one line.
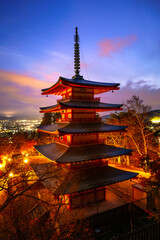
[[13, 126]]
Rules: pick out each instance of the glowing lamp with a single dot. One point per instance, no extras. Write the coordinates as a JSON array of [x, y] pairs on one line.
[[9, 159], [11, 174], [1, 165], [25, 160]]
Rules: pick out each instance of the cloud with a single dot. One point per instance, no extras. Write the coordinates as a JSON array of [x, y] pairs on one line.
[[110, 46], [150, 95], [21, 80], [84, 65], [21, 94], [58, 55]]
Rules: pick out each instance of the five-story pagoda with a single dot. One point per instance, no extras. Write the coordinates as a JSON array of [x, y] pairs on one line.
[[77, 153]]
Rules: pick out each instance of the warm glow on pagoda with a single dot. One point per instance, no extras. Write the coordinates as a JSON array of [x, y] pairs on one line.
[[77, 151]]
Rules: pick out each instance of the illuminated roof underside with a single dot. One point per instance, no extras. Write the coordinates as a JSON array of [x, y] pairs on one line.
[[64, 83], [82, 105], [63, 154], [81, 127], [61, 182]]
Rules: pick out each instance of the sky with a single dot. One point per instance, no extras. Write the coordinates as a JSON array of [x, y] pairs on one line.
[[119, 42]]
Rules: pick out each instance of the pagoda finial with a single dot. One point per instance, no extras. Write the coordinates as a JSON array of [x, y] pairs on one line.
[[76, 55]]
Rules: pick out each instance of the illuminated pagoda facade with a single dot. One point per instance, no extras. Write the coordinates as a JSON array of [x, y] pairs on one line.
[[77, 153]]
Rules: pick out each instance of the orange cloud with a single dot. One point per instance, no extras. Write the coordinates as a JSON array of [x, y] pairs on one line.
[[21, 94], [108, 46], [22, 80]]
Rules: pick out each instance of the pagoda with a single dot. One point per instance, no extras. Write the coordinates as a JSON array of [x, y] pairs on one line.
[[77, 154]]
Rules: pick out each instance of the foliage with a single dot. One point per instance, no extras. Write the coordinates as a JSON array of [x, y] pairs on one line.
[[16, 143], [139, 136], [50, 118], [29, 211]]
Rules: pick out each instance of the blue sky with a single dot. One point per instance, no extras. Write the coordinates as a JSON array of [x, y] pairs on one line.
[[119, 42]]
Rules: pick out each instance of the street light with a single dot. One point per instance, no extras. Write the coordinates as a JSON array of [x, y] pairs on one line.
[[25, 160], [11, 174]]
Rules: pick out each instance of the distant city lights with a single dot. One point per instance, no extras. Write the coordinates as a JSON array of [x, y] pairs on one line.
[[14, 126], [155, 120]]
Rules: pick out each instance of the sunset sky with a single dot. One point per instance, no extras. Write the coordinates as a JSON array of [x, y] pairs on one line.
[[119, 42]]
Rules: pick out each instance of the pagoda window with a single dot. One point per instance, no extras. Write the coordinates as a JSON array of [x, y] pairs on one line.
[[63, 116], [68, 139], [66, 199], [69, 116]]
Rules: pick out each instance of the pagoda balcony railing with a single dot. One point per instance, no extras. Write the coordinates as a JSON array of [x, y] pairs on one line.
[[86, 120], [58, 140], [84, 142], [96, 119], [97, 99]]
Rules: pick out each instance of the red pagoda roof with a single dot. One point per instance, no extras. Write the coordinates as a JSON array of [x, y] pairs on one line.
[[82, 105], [63, 83], [59, 181], [64, 154], [81, 127]]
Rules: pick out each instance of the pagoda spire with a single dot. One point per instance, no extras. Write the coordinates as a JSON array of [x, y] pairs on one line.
[[76, 55]]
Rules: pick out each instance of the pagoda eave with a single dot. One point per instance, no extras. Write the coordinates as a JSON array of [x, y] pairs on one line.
[[92, 179], [64, 83], [64, 154], [81, 128], [79, 180], [81, 105]]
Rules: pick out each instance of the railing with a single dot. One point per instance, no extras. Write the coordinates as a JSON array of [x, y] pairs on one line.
[[148, 232], [63, 120], [97, 99], [80, 120], [84, 142], [86, 120]]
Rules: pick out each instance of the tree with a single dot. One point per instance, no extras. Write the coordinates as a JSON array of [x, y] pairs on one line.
[[139, 135], [50, 118], [29, 211]]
